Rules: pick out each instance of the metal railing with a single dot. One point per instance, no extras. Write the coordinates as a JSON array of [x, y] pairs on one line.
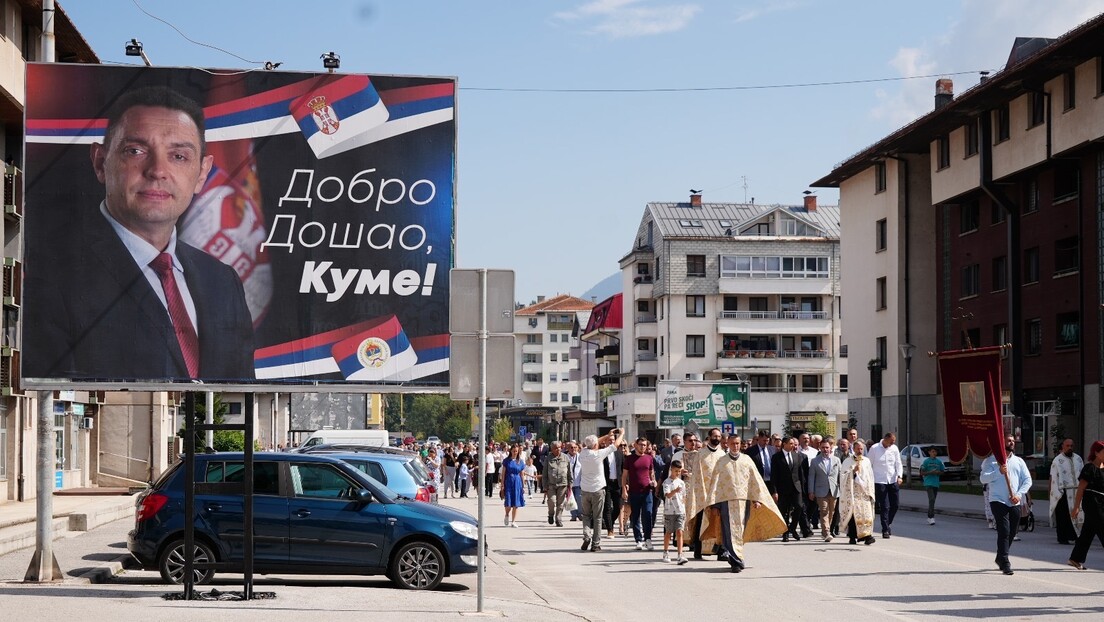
[[774, 315]]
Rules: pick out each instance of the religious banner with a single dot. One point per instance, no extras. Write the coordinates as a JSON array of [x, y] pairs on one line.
[[971, 382], [705, 403]]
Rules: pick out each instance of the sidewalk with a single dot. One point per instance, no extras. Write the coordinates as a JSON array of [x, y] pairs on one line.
[[962, 505], [71, 513]]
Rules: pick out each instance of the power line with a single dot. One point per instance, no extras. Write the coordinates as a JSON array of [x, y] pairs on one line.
[[713, 88], [181, 33]]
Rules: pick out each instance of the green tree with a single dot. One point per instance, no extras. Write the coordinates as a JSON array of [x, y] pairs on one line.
[[199, 437], [456, 428], [501, 430], [819, 425]]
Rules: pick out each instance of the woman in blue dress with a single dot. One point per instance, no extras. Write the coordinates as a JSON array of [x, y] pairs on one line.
[[512, 491]]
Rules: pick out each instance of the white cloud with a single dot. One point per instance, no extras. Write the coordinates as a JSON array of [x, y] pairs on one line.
[[628, 18], [771, 7], [980, 37]]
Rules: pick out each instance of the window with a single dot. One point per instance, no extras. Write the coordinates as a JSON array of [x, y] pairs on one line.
[[552, 397], [695, 265], [553, 337], [971, 131], [661, 346], [552, 357], [1034, 330], [730, 303], [564, 397], [843, 382], [1069, 330], [760, 228], [793, 226], [1031, 265], [266, 479], [1001, 125], [643, 345], [756, 267], [1066, 256], [880, 241], [880, 351], [968, 217], [943, 146], [371, 469], [695, 346], [642, 269], [1036, 109], [879, 177], [1000, 334], [690, 223], [969, 285], [4, 445], [532, 378], [1000, 274], [757, 303], [843, 351], [810, 382], [552, 377], [1067, 181], [642, 306], [320, 481], [996, 214], [1069, 91], [695, 306], [971, 338], [1031, 201], [234, 408], [880, 293], [529, 358], [532, 339]]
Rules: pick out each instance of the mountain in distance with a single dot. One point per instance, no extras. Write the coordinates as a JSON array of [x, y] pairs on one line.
[[604, 289]]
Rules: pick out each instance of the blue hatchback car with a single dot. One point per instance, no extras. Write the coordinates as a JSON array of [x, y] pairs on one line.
[[312, 514]]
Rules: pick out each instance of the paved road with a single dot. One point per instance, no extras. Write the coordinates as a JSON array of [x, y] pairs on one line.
[[924, 572]]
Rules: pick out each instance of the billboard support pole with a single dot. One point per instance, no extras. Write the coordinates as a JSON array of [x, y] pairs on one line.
[[482, 433], [44, 566], [209, 419]]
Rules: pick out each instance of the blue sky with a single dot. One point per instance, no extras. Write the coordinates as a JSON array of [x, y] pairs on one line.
[[552, 184]]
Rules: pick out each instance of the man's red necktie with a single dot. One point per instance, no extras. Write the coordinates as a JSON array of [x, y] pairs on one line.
[[182, 324]]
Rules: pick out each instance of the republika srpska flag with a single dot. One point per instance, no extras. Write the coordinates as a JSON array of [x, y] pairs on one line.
[[971, 382]]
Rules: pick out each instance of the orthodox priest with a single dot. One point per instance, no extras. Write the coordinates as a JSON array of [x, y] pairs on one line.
[[729, 484], [856, 502], [1064, 472]]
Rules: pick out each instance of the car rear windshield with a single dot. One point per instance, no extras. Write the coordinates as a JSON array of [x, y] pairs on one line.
[[418, 470]]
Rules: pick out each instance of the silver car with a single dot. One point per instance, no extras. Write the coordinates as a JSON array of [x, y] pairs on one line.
[[919, 453]]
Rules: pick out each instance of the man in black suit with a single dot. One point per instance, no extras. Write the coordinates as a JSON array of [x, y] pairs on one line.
[[112, 294], [611, 469], [761, 455], [786, 487]]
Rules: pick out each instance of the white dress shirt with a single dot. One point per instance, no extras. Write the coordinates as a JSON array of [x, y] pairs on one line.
[[593, 476], [886, 463]]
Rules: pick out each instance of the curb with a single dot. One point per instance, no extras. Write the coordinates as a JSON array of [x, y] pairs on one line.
[[963, 514], [104, 573]]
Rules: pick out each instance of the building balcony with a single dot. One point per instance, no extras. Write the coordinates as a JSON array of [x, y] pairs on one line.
[[532, 387], [560, 326], [647, 367], [532, 348], [775, 322], [531, 368], [779, 360], [646, 356], [646, 330], [642, 287], [607, 354], [732, 285]]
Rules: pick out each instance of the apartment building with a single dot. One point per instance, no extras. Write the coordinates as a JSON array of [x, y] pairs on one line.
[[546, 333], [727, 291], [986, 212]]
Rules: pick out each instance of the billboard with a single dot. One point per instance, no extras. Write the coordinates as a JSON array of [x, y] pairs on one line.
[[305, 240], [709, 404]]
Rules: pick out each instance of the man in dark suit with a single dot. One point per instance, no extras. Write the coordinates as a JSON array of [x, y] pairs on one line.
[[785, 486], [113, 295], [611, 469], [761, 455]]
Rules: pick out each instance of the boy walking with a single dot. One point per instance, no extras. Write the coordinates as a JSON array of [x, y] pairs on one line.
[[932, 468], [674, 511]]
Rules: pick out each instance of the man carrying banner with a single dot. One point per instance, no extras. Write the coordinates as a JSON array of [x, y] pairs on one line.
[[1064, 472], [1008, 483], [116, 295]]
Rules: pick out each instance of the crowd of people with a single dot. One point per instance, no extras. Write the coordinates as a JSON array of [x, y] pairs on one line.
[[709, 495]]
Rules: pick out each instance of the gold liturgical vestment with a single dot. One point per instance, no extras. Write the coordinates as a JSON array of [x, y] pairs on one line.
[[857, 495], [720, 478]]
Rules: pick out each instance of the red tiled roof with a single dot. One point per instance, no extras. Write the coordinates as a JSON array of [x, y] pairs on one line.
[[563, 302]]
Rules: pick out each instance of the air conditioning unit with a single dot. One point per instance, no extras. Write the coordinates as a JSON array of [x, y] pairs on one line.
[[85, 423]]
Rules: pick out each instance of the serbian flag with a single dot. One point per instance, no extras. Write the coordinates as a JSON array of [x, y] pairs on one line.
[[336, 114], [971, 381], [380, 350]]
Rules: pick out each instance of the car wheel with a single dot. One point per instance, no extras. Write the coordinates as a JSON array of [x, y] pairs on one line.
[[171, 563], [417, 566]]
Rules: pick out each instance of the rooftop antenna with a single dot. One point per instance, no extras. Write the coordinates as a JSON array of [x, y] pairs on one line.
[[744, 177]]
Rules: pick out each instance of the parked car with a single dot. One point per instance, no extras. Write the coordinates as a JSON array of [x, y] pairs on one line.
[[433, 441], [401, 471], [312, 514], [919, 453]]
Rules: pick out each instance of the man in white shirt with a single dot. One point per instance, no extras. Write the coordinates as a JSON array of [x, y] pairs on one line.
[[575, 468], [489, 471], [885, 459], [592, 482], [1008, 484]]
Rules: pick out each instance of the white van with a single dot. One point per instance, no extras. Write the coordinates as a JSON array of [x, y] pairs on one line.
[[373, 438]]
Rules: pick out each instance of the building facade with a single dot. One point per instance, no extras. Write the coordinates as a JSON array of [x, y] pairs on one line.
[[1005, 182], [723, 291], [546, 336]]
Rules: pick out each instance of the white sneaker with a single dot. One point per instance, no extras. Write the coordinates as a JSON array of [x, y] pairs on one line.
[[513, 523], [666, 558], [506, 521], [931, 521], [640, 546], [648, 545], [682, 560]]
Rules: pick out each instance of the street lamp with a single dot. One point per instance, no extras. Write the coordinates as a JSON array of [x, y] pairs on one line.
[[906, 353]]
